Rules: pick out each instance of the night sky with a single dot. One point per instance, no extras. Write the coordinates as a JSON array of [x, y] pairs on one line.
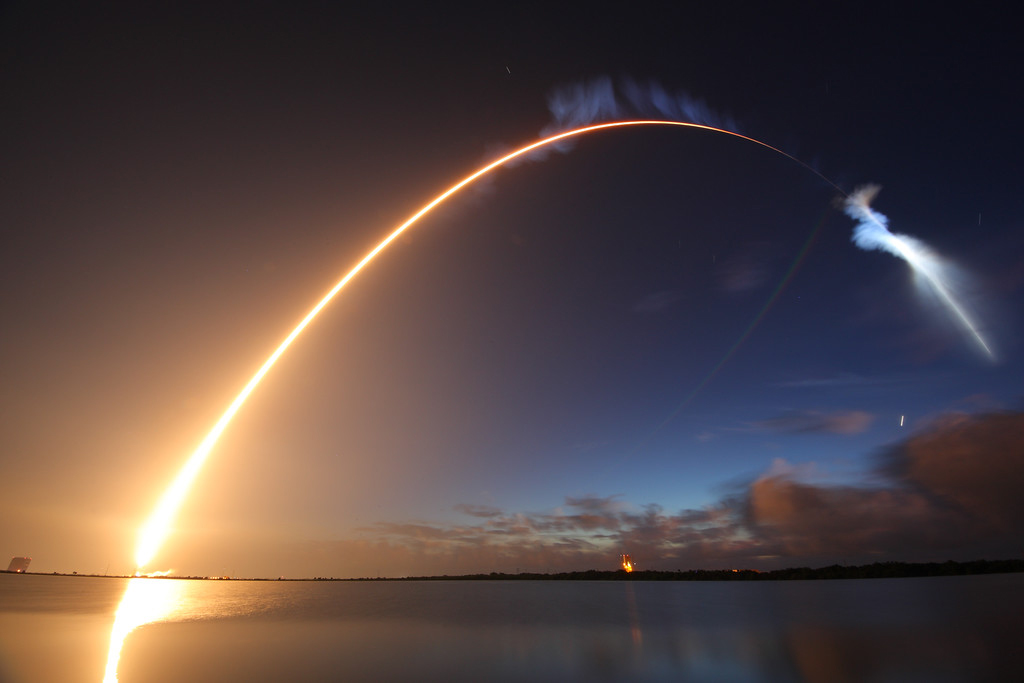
[[654, 341]]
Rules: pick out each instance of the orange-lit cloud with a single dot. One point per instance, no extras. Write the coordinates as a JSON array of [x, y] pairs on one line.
[[814, 422], [946, 493], [478, 510], [972, 466]]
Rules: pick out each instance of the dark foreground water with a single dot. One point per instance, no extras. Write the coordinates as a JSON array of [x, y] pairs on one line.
[[933, 629]]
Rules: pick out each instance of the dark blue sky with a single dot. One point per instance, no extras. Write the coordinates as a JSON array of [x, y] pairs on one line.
[[659, 341]]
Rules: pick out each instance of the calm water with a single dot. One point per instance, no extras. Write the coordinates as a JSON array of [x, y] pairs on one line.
[[937, 629]]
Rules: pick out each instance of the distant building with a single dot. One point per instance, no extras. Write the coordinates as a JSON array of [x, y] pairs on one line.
[[19, 565]]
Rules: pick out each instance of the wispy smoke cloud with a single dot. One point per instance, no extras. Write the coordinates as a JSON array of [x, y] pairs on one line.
[[601, 99], [872, 232], [578, 104]]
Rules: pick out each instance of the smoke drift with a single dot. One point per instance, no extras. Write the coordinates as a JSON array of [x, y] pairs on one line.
[[580, 104], [872, 232]]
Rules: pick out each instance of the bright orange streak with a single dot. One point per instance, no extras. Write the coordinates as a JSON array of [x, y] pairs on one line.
[[143, 602], [158, 526]]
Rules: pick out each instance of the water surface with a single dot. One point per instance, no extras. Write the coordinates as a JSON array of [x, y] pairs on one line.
[[931, 629]]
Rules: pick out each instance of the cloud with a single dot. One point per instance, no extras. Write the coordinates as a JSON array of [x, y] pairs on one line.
[[420, 532], [600, 99], [815, 422], [950, 491], [595, 504], [485, 511], [974, 466], [794, 519], [782, 468]]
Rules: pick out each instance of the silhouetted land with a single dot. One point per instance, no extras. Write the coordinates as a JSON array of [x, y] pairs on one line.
[[878, 570]]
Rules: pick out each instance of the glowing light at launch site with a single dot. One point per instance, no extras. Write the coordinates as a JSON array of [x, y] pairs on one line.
[[872, 232], [156, 529]]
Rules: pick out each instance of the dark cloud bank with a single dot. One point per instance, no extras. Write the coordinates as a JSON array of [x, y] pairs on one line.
[[951, 491]]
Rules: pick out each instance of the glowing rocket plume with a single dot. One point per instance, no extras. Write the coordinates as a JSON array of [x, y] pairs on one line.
[[158, 526], [872, 232]]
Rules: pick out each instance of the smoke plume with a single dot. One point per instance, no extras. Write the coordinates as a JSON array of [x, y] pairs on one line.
[[872, 232], [600, 100]]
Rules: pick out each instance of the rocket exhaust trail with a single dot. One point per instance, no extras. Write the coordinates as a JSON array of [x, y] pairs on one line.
[[872, 232], [158, 526]]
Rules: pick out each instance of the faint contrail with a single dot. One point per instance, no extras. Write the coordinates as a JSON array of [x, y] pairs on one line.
[[872, 232], [157, 527]]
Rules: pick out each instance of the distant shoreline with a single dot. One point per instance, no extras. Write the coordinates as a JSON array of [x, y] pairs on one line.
[[877, 570]]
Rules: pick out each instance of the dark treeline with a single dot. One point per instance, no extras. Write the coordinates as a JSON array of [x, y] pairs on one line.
[[878, 570]]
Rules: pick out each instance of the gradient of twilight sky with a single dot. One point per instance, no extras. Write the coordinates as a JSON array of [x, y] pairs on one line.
[[509, 387]]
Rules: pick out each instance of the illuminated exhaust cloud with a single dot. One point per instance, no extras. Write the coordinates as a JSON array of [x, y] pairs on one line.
[[872, 232], [579, 104]]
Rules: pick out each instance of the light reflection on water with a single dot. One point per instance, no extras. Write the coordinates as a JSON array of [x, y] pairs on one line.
[[145, 601], [947, 629]]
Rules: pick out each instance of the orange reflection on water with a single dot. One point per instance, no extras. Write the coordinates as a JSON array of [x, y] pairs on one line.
[[145, 601]]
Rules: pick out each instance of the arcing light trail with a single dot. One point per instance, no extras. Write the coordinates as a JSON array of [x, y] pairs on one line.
[[158, 526]]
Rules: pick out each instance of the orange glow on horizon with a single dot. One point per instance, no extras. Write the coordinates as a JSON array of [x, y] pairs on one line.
[[627, 563], [158, 526]]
